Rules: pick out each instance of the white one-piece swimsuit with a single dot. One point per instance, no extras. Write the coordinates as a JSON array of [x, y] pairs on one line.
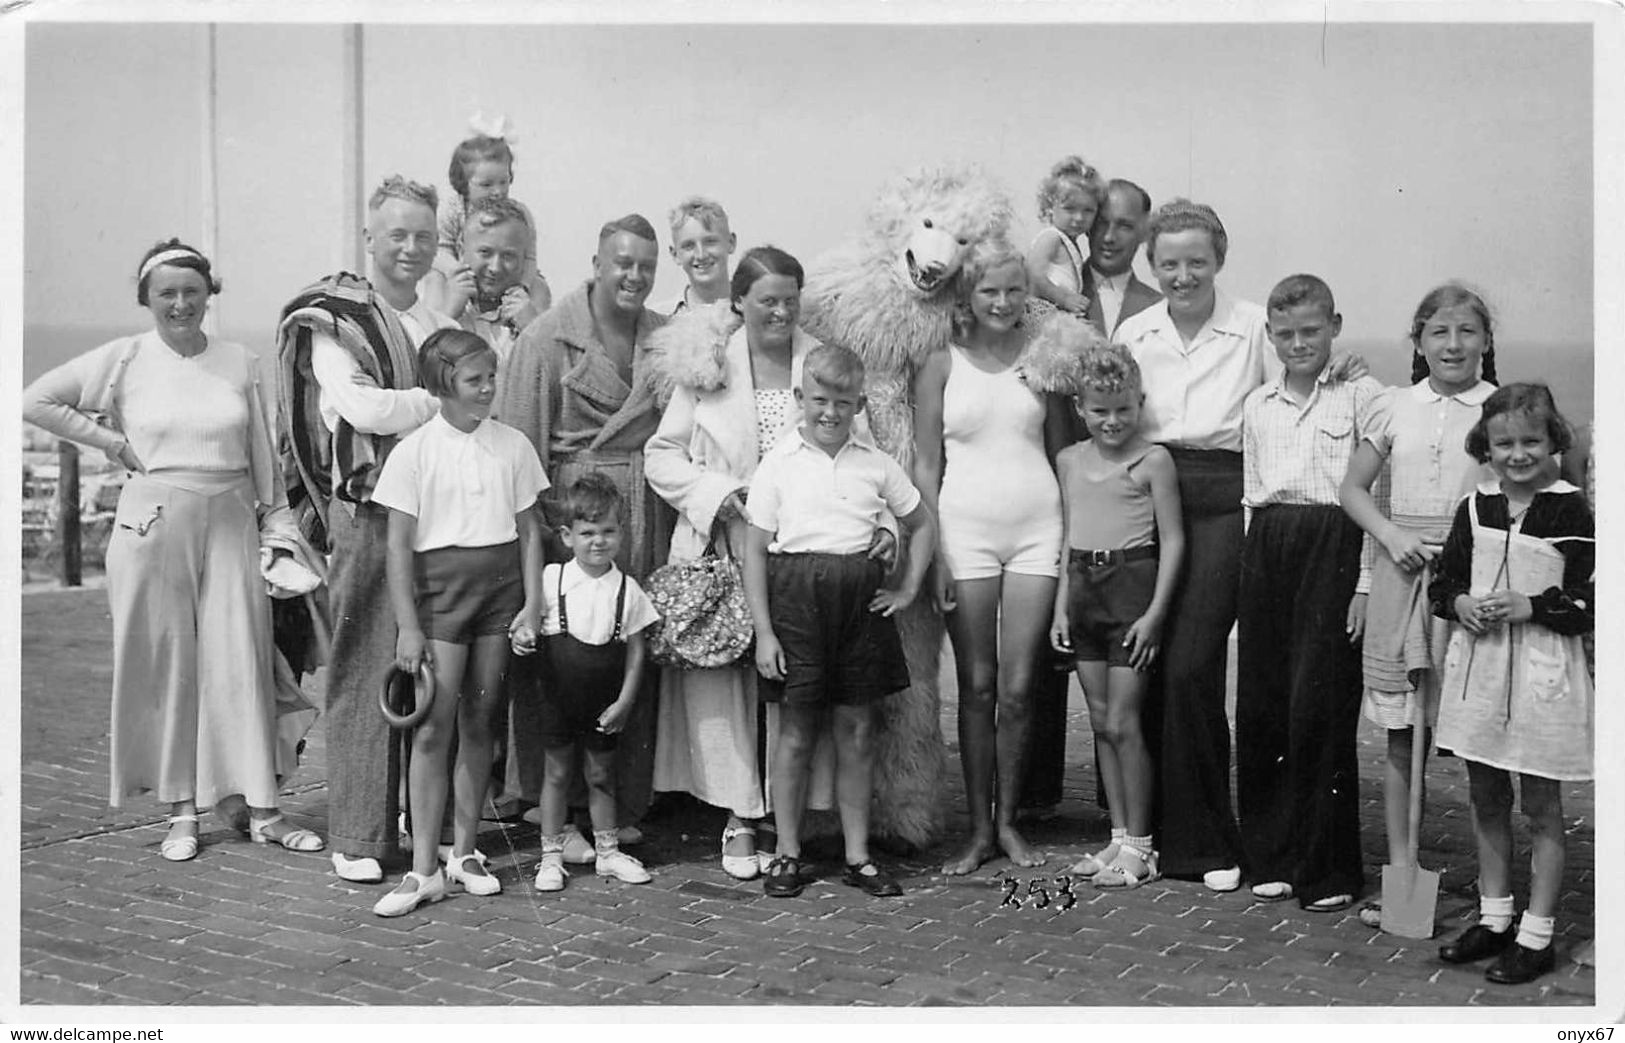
[[1000, 504]]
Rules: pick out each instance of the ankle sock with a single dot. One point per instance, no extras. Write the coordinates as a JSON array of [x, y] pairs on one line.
[[605, 841], [1495, 913], [1535, 932], [553, 843], [1141, 845]]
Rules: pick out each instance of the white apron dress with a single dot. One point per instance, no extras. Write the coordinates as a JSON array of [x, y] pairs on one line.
[[1517, 697]]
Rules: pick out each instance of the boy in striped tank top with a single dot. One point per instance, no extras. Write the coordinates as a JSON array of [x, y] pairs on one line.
[[1120, 503]]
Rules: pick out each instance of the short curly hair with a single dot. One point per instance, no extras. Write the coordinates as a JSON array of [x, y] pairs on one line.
[[708, 212], [1533, 402], [593, 497], [1108, 369], [1071, 171], [1182, 215], [397, 187]]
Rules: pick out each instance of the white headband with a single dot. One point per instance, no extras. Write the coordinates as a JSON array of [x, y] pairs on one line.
[[164, 257]]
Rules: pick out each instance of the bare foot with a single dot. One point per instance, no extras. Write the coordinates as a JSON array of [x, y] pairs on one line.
[[1015, 845], [978, 851]]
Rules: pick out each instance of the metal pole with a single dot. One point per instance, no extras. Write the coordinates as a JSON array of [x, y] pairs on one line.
[[352, 253], [211, 170], [67, 511]]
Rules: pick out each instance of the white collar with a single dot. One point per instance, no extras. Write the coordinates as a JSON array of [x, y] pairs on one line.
[[1278, 388], [1492, 487], [1423, 391], [1118, 283], [794, 441], [1222, 321], [481, 435], [575, 576]]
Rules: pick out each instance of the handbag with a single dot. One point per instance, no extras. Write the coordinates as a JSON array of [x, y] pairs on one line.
[[704, 617]]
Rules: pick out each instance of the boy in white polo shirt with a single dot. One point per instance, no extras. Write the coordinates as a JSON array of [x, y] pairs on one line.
[[826, 645]]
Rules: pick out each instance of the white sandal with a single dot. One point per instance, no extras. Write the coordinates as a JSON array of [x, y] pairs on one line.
[[1130, 869], [181, 849], [481, 883], [740, 867], [1095, 864], [292, 840]]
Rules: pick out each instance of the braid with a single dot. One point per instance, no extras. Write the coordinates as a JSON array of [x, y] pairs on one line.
[[1419, 366], [1487, 364]]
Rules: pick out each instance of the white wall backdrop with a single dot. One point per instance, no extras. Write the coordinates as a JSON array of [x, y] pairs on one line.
[[1385, 157]]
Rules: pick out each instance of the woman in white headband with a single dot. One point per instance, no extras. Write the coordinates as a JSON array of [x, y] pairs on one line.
[[194, 695]]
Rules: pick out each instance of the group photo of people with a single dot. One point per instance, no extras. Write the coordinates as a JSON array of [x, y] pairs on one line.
[[1070, 507]]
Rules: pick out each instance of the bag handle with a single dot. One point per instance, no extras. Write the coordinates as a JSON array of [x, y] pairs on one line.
[[719, 532]]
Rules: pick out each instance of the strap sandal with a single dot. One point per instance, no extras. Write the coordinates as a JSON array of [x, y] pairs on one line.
[[783, 879], [399, 902], [480, 883], [1092, 865], [1272, 891], [1329, 904], [181, 848], [443, 852], [1130, 869], [740, 867], [304, 840]]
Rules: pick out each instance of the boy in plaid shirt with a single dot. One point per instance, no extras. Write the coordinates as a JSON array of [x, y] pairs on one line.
[[1300, 620]]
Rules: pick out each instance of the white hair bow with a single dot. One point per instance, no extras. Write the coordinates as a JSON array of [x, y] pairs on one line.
[[498, 126]]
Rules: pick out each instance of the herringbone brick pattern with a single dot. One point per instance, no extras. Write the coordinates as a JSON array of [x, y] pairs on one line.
[[106, 921]]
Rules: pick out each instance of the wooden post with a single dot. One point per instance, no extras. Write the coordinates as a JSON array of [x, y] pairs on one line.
[[67, 511]]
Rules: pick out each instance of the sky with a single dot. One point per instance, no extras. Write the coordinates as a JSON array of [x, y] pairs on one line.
[[1385, 157]]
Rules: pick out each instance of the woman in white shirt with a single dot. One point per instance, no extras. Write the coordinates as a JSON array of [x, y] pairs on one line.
[[194, 705]]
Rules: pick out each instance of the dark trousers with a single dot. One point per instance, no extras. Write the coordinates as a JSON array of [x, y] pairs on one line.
[[1298, 701], [1185, 721], [1045, 766]]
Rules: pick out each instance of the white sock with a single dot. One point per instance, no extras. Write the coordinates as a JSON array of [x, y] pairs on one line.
[[1141, 845], [1535, 932], [1495, 913], [605, 841], [1119, 836]]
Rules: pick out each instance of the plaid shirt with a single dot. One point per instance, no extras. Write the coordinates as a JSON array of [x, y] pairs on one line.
[[1297, 453]]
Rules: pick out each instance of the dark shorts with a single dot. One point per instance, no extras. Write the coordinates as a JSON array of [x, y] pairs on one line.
[[836, 651], [1103, 601], [579, 682], [468, 592]]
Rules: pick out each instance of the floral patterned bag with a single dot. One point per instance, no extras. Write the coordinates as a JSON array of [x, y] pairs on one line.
[[704, 618]]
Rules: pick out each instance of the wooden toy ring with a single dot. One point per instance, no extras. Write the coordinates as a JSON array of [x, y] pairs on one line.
[[391, 696]]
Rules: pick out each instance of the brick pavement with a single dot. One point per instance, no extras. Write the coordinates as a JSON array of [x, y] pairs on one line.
[[104, 920]]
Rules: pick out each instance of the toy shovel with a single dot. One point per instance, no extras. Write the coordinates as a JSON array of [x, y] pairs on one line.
[[1410, 894]]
